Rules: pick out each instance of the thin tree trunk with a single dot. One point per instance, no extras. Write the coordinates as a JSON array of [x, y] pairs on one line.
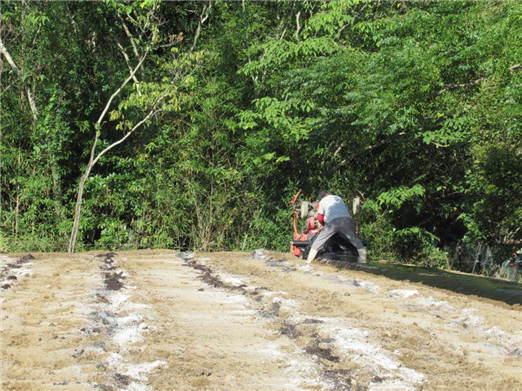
[[202, 18], [77, 212], [30, 98], [17, 205], [17, 208], [92, 162], [32, 104], [57, 187]]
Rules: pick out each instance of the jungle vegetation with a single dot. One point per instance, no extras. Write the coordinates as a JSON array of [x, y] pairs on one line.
[[190, 125]]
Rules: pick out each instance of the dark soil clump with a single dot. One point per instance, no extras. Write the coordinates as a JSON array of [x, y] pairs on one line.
[[208, 278], [324, 353], [108, 255], [25, 259], [312, 321], [114, 281], [122, 380], [290, 331], [342, 380]]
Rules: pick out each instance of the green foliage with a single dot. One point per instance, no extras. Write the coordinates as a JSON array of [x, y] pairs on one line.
[[416, 104], [495, 180], [395, 198]]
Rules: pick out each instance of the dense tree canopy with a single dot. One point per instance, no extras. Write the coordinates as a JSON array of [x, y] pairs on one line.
[[226, 109]]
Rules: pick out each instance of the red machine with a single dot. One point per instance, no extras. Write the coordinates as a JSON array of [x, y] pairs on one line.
[[305, 210], [338, 247]]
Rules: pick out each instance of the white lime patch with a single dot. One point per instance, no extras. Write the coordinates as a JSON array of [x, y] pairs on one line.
[[432, 304], [353, 344], [402, 293]]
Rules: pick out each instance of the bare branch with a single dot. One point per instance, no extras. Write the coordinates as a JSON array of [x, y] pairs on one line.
[[92, 162], [353, 20], [468, 84], [6, 89], [168, 45], [298, 26], [515, 67], [9, 59], [136, 82], [153, 111], [337, 151], [121, 87], [462, 85], [18, 73], [131, 38], [32, 104], [202, 18]]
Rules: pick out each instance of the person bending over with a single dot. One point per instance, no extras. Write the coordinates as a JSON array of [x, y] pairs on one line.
[[334, 216]]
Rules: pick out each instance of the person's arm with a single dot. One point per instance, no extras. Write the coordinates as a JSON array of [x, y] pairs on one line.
[[320, 218], [320, 213]]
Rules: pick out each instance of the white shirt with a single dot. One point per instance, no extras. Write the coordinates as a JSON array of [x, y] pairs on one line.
[[332, 207]]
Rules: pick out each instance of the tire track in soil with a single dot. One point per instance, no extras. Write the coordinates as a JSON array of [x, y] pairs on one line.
[[11, 273], [119, 325], [381, 333], [321, 355], [327, 330], [41, 317], [13, 270], [498, 341], [361, 365], [340, 334], [213, 338]]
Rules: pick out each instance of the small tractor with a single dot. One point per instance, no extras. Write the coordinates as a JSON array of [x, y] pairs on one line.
[[337, 248]]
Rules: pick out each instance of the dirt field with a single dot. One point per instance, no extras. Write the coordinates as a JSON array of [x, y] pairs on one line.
[[155, 320]]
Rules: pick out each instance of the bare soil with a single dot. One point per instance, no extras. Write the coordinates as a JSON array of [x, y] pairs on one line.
[[159, 320]]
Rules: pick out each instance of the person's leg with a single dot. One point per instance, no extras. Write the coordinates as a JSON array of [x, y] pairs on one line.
[[311, 255], [322, 237], [346, 227], [362, 255]]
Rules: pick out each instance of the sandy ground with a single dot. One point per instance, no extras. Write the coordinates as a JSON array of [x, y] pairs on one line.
[[155, 320]]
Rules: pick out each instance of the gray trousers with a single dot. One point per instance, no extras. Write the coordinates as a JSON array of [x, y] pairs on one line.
[[343, 225]]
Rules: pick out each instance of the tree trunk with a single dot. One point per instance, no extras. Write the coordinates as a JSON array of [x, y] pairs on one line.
[[30, 98], [92, 161], [77, 212], [17, 208], [153, 111]]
